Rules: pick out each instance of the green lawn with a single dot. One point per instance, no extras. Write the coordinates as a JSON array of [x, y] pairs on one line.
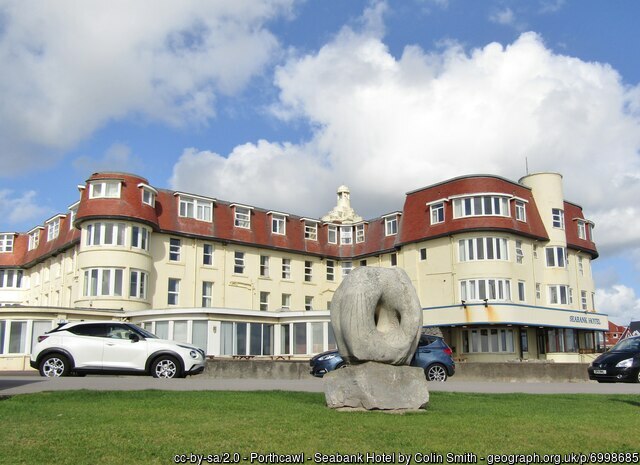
[[153, 426]]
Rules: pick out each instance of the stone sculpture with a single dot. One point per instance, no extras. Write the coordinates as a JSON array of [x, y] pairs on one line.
[[376, 318]]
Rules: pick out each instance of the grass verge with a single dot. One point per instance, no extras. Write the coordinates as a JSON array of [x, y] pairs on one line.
[[152, 427]]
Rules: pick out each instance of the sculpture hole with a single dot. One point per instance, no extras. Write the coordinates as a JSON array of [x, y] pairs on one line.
[[386, 318]]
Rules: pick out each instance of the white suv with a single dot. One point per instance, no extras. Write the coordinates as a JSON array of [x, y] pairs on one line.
[[113, 347]]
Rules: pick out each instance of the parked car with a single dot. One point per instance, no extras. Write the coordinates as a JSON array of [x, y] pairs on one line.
[[114, 348], [433, 355], [621, 363]]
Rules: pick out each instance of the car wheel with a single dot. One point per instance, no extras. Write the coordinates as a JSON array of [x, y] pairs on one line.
[[436, 372], [165, 366], [54, 366]]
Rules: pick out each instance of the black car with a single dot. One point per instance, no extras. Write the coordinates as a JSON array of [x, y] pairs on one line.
[[621, 363], [432, 354]]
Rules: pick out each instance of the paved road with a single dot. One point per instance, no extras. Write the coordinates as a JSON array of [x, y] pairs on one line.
[[12, 384]]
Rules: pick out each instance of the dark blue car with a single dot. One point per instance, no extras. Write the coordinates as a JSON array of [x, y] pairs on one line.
[[432, 354], [621, 363]]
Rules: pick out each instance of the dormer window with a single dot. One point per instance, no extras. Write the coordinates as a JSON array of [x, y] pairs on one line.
[[242, 216], [332, 234], [346, 235], [34, 238], [53, 227], [104, 189], [195, 207], [582, 230], [148, 194], [311, 230], [278, 223], [521, 211], [481, 205], [359, 233], [437, 213], [391, 225], [6, 243], [73, 211]]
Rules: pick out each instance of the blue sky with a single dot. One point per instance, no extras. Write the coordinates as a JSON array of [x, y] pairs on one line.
[[277, 103]]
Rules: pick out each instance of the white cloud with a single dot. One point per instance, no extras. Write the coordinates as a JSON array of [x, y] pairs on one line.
[[620, 302], [69, 68], [385, 125], [118, 157], [21, 208], [505, 17]]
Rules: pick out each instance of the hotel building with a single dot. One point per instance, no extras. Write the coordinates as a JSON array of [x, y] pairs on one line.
[[502, 268]]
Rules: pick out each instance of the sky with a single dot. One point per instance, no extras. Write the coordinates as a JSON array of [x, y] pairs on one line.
[[277, 103]]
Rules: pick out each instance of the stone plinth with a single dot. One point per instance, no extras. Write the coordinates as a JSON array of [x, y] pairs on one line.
[[377, 386]]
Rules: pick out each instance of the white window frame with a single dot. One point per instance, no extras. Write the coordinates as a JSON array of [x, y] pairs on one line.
[[481, 205], [264, 301], [504, 339], [242, 217], [492, 289], [148, 195], [6, 243], [278, 224], [360, 233], [207, 294], [557, 218], [347, 267], [96, 234], [331, 270], [173, 292], [264, 266], [582, 230], [521, 211], [346, 235], [207, 256], [286, 302], [11, 278], [557, 258], [140, 238], [175, 249], [522, 294], [106, 190], [308, 271], [311, 230], [559, 294], [308, 303], [34, 239], [391, 226], [286, 268], [583, 300], [332, 234], [96, 278], [519, 252], [437, 213], [470, 249], [580, 266], [198, 209], [238, 262], [53, 229], [138, 280]]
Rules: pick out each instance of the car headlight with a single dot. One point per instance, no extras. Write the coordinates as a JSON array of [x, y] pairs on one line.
[[327, 357], [625, 363]]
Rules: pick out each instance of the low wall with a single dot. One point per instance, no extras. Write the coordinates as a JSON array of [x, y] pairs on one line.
[[465, 371]]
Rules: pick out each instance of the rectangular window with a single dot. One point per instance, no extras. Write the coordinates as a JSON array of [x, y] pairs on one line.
[[308, 271], [242, 217], [308, 303], [238, 262], [521, 291], [359, 233], [311, 230], [103, 282], [139, 238], [148, 197], [538, 291], [583, 300], [278, 224], [492, 340], [346, 268], [363, 263], [330, 270], [300, 338], [286, 268], [556, 257], [437, 213], [34, 239], [346, 235], [11, 279], [485, 289], [521, 212], [557, 218], [394, 259], [198, 209], [558, 294], [264, 266], [175, 247], [104, 190], [138, 284], [105, 234], [286, 302], [207, 254], [173, 291], [519, 252], [207, 294], [423, 254], [332, 233], [580, 266], [53, 229], [483, 248], [481, 206], [6, 243], [264, 301], [582, 230], [391, 226]]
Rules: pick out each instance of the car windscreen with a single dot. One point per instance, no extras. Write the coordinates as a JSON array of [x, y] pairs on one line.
[[627, 345], [143, 332]]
